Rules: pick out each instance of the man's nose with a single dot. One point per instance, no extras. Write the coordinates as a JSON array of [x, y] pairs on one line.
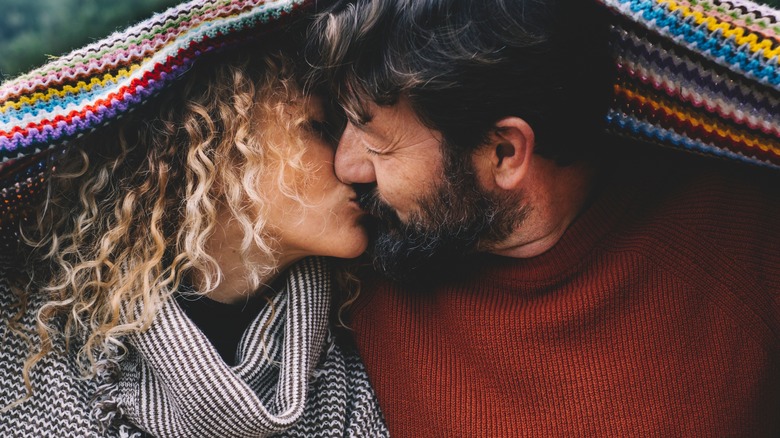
[[353, 165]]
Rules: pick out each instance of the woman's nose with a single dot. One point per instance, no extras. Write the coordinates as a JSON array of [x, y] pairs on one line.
[[353, 164]]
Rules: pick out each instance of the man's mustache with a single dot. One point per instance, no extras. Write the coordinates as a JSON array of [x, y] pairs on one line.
[[381, 218], [369, 201]]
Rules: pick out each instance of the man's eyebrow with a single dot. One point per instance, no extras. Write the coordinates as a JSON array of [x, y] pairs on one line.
[[361, 121]]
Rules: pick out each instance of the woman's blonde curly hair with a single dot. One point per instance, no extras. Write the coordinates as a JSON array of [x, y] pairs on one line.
[[131, 206]]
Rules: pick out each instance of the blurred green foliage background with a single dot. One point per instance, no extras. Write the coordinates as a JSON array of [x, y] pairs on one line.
[[33, 30]]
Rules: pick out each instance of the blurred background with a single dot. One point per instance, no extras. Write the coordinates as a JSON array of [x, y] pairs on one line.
[[31, 31]]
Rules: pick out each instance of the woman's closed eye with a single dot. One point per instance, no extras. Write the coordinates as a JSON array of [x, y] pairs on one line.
[[319, 127], [324, 130]]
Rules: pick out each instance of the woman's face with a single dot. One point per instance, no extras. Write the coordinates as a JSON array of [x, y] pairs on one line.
[[328, 220], [325, 221]]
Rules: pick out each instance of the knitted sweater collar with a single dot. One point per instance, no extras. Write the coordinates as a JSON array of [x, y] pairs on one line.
[[174, 383]]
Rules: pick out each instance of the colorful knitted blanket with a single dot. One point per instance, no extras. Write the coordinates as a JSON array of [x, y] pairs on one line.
[[701, 75]]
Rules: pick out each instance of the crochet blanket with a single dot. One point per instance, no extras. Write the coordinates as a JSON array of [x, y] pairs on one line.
[[699, 75]]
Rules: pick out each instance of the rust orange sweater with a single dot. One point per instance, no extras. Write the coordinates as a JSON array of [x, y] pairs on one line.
[[657, 314]]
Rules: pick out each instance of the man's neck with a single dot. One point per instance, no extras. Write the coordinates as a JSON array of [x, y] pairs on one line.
[[556, 195]]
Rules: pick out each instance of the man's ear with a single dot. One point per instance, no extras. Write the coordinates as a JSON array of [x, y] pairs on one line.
[[508, 152]]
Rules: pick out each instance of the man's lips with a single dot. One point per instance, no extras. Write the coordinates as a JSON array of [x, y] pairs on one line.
[[365, 196], [354, 200]]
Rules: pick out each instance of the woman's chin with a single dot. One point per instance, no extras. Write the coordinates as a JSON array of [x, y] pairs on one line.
[[351, 248]]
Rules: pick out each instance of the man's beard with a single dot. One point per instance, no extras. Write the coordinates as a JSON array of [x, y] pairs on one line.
[[456, 219]]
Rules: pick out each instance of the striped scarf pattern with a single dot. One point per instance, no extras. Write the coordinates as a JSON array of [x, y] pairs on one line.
[[700, 75], [291, 378]]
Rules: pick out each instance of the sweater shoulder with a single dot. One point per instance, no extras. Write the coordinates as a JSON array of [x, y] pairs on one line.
[[715, 227], [729, 212]]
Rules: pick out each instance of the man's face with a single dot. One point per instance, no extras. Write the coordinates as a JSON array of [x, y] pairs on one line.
[[395, 153], [428, 209]]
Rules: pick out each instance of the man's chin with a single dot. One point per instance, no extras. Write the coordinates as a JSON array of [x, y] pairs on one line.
[[414, 257], [451, 222]]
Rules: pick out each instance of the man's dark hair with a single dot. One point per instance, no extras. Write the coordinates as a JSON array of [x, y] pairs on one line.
[[465, 64]]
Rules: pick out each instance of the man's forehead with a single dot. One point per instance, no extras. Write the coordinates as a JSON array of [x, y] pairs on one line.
[[395, 127], [381, 120]]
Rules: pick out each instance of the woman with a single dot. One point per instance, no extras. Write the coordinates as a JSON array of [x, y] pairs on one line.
[[165, 287]]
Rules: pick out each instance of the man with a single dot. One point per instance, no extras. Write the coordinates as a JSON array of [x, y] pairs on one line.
[[544, 282]]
